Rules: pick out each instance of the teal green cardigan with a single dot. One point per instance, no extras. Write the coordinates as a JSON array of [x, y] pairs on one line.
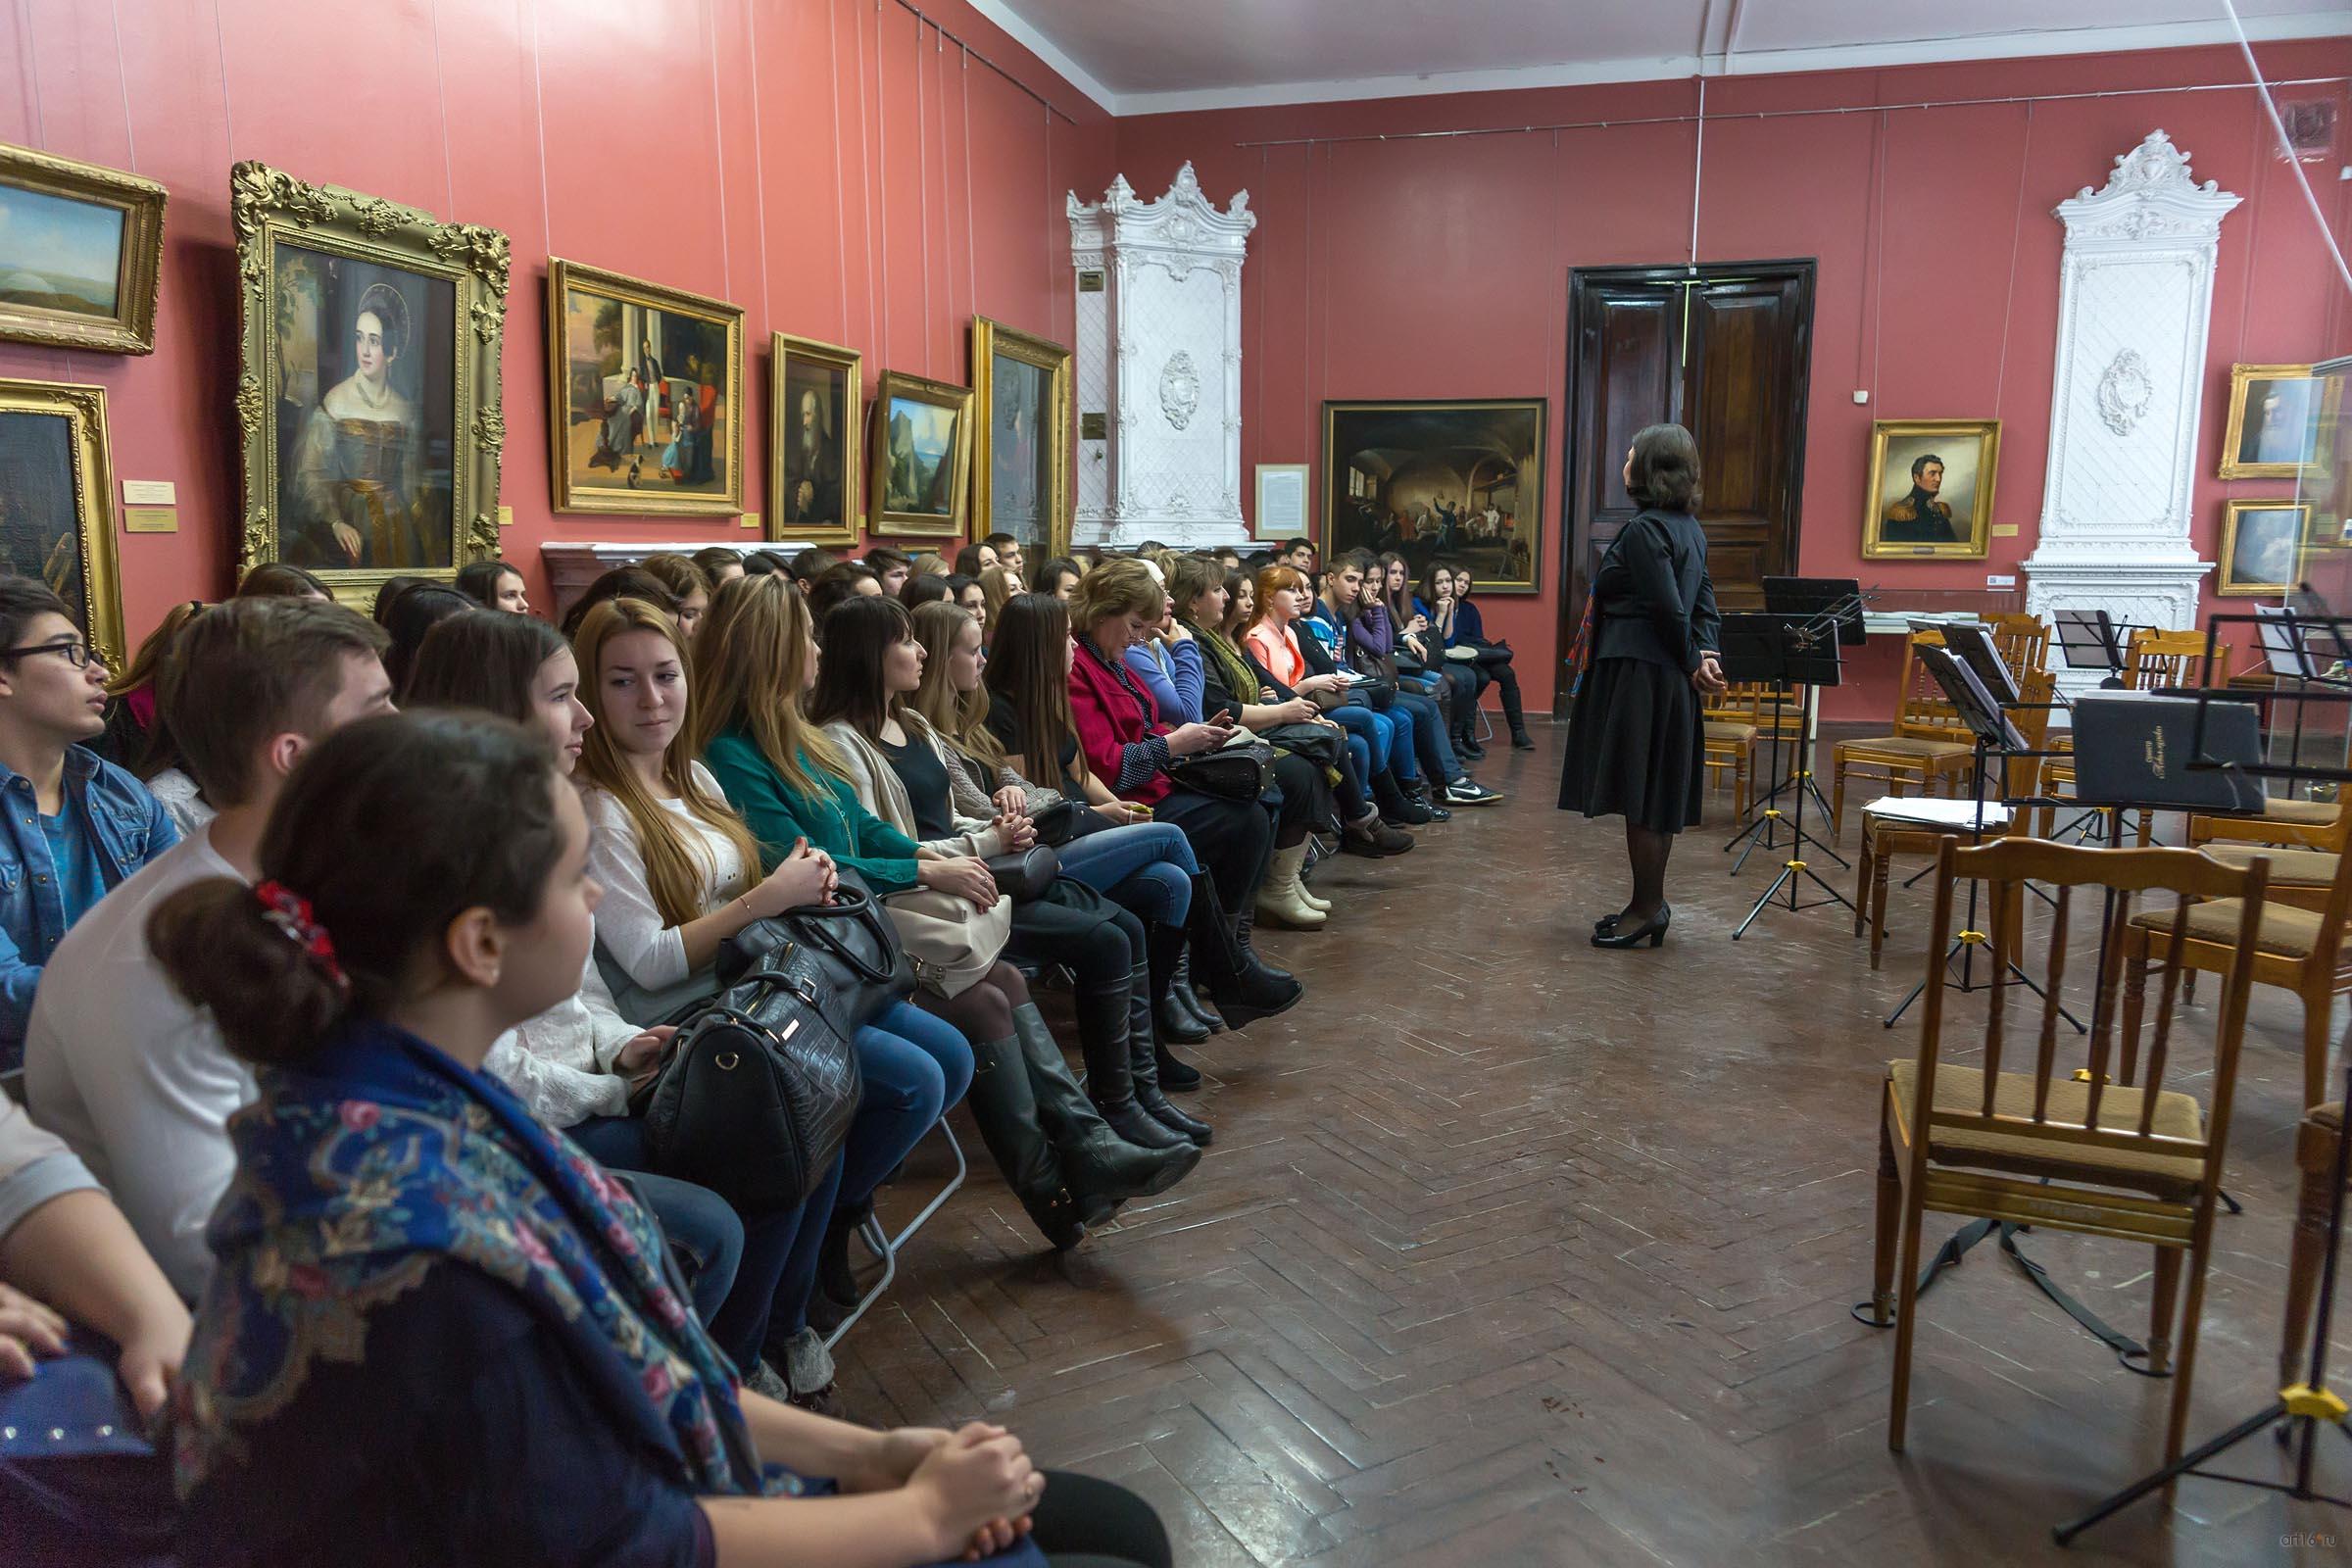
[[836, 823]]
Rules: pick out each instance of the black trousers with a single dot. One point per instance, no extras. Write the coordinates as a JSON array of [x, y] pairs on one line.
[[1085, 1523], [1494, 669], [1233, 840]]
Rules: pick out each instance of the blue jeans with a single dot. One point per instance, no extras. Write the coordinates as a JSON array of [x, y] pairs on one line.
[[694, 1220], [776, 1247], [1362, 723], [1146, 867], [1431, 747]]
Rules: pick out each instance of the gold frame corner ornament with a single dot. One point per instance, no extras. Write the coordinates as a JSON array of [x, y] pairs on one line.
[[83, 409], [2226, 586], [784, 348], [1978, 546], [621, 500], [138, 266], [991, 338], [2233, 427], [917, 524], [268, 206]]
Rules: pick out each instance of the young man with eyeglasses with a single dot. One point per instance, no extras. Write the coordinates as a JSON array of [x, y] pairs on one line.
[[72, 824]]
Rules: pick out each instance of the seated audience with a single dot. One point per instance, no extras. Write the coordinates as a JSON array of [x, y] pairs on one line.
[[1370, 710], [681, 874], [131, 738], [922, 589], [1166, 661], [966, 593], [849, 580], [812, 563], [1419, 651], [1465, 628], [388, 593], [117, 1062], [996, 584], [973, 560], [1299, 555], [1058, 577], [686, 584], [575, 1065], [409, 617], [906, 774], [532, 1389], [91, 1338], [275, 579], [1009, 554], [622, 582], [1370, 640], [720, 565], [1064, 1166], [892, 566], [494, 585], [77, 825]]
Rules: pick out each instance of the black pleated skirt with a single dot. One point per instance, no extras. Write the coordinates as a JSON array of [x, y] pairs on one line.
[[1635, 746]]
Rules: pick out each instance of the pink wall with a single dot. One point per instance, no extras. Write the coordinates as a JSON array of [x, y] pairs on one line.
[[1438, 268], [841, 169]]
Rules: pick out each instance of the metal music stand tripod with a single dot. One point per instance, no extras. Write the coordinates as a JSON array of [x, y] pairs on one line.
[[1782, 649], [1803, 598]]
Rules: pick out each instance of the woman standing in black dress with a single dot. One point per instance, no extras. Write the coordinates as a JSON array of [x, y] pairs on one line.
[[1636, 733]]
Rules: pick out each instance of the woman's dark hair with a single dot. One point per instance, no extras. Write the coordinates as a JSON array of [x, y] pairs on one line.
[[856, 634], [1028, 676], [485, 659], [836, 583], [390, 594], [1665, 468], [764, 563], [921, 588], [275, 579], [622, 582], [1048, 575], [968, 563], [407, 618], [477, 580], [391, 827], [812, 563], [957, 582], [1239, 581], [715, 559]]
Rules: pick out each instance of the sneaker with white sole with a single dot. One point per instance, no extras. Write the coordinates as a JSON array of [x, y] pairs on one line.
[[1467, 791]]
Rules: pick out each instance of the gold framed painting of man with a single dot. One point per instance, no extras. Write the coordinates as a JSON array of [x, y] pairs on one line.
[[1930, 495], [920, 449], [1021, 430], [2276, 415], [1459, 481], [812, 468], [367, 399], [648, 384], [57, 492], [81, 251]]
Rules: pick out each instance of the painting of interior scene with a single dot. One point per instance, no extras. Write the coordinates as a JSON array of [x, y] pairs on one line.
[[647, 394], [1451, 481]]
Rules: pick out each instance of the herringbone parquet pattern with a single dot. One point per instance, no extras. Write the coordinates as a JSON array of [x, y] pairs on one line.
[[1511, 1252]]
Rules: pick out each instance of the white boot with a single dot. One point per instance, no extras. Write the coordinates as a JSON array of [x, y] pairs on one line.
[[1280, 897]]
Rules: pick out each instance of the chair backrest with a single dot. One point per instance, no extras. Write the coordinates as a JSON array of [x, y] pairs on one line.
[[2158, 659], [2035, 689], [1922, 710], [2119, 876], [2024, 641]]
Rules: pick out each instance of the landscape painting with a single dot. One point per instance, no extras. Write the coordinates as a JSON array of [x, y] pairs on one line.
[[921, 457], [79, 250]]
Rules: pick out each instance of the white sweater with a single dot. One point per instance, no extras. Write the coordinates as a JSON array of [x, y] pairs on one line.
[[629, 926], [561, 1063]]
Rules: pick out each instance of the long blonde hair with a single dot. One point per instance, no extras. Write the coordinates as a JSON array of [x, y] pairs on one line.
[[674, 872], [959, 718], [996, 584], [750, 657]]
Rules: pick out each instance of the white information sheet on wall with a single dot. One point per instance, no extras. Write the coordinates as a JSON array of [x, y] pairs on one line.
[[1281, 512]]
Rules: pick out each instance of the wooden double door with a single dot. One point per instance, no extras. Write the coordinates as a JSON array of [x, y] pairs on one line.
[[1723, 349]]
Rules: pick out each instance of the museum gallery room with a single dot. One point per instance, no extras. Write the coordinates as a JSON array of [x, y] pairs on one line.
[[825, 697]]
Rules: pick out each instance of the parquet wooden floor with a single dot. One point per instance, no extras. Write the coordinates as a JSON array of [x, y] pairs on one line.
[[1514, 1252]]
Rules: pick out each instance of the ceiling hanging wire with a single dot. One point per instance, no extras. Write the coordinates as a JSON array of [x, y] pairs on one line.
[[2286, 149]]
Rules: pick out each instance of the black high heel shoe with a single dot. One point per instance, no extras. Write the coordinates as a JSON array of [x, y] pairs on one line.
[[1654, 932]]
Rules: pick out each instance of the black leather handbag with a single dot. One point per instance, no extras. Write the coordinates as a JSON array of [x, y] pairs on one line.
[[1062, 821], [1241, 773], [852, 938], [761, 1083], [1319, 744], [1024, 875]]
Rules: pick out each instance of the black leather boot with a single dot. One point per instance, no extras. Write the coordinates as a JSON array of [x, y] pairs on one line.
[[1395, 809], [1243, 987], [1106, 1035], [1005, 1108], [1175, 1020], [1163, 951], [1098, 1163], [1144, 1064], [1180, 986]]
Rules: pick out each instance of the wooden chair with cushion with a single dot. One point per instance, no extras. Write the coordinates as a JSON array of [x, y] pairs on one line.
[[2296, 949], [2023, 1140], [1929, 742], [1732, 723], [2023, 642], [2314, 1160], [1887, 838]]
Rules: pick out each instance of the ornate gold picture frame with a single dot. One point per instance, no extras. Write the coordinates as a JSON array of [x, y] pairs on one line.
[[644, 397], [2263, 548], [368, 394], [815, 412], [82, 250], [1021, 438], [919, 452], [1930, 496], [1453, 480], [2274, 425], [57, 502]]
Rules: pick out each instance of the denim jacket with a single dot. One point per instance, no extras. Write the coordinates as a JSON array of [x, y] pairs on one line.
[[128, 828]]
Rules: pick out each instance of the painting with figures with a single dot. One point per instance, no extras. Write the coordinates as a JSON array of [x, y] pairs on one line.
[[651, 383], [56, 502], [1453, 481]]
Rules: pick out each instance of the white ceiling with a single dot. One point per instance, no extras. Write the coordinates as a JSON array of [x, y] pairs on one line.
[[1158, 56]]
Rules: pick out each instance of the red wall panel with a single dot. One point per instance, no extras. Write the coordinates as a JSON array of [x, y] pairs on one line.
[[843, 169]]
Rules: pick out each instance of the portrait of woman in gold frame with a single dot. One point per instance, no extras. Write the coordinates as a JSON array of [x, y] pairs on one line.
[[1930, 496], [920, 456], [644, 397], [1021, 438], [814, 412], [57, 502], [82, 250], [2276, 415], [368, 395]]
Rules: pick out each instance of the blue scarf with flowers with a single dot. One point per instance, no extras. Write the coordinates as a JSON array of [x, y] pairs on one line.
[[381, 1157]]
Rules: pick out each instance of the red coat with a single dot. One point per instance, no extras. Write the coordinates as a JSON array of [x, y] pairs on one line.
[[1113, 711]]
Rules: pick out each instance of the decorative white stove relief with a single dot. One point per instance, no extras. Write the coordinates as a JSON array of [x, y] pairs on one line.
[[2135, 296], [1160, 357]]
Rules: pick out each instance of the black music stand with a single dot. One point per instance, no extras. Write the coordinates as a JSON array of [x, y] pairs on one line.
[[1786, 647], [1839, 600], [2091, 639]]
